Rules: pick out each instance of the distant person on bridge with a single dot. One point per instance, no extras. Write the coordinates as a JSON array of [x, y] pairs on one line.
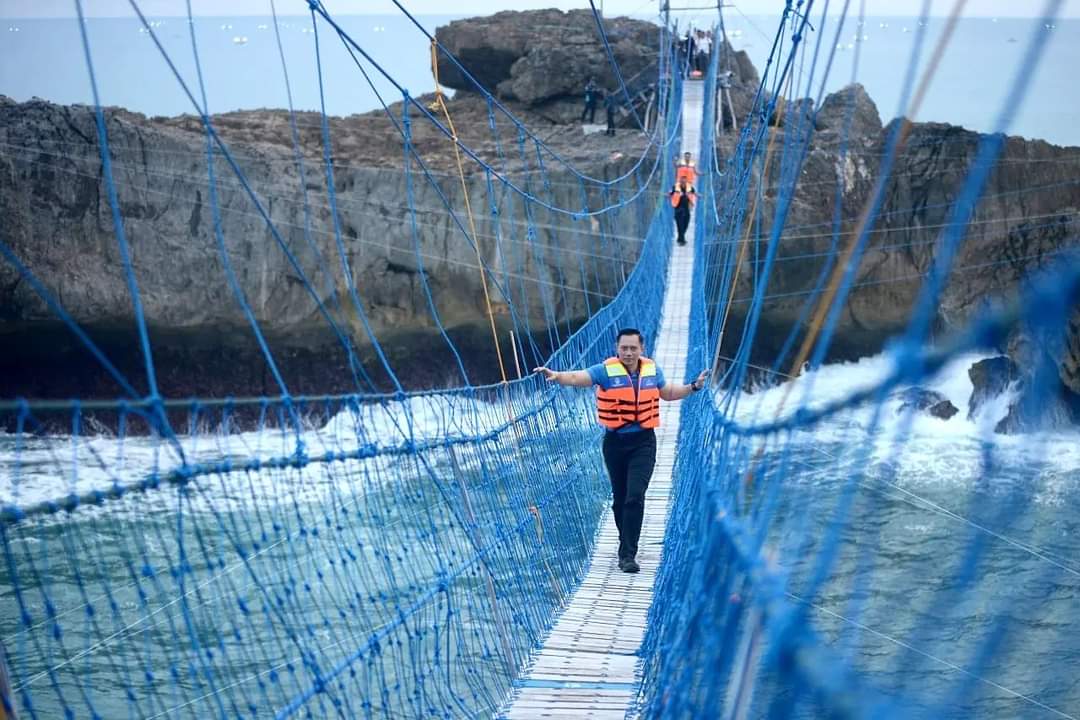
[[591, 91], [683, 196], [629, 388], [611, 104], [685, 169]]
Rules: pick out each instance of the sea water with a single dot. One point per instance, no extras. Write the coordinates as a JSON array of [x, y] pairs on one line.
[[897, 604], [954, 532]]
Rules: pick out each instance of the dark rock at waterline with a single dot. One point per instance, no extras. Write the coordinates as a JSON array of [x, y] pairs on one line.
[[1053, 408], [1041, 360], [928, 401], [989, 378]]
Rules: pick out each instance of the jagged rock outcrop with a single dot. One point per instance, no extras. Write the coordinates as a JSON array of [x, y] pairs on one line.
[[928, 401], [544, 58], [989, 378], [849, 111], [738, 85]]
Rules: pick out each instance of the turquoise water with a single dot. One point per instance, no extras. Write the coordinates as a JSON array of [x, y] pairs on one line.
[[412, 585]]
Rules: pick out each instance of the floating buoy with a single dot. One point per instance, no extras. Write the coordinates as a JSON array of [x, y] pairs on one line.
[[12, 28], [262, 27], [239, 39]]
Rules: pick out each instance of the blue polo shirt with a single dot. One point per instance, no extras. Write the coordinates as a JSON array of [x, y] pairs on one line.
[[599, 376]]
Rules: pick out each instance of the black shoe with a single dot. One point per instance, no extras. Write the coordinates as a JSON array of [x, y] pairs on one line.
[[681, 241], [628, 565]]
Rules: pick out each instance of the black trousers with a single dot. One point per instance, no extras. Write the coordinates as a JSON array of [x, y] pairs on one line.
[[610, 123], [682, 220], [589, 111], [630, 458]]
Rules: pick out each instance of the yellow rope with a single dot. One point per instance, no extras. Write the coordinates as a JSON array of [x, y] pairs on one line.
[[468, 207], [533, 509]]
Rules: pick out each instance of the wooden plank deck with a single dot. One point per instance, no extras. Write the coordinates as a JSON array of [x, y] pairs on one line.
[[589, 665]]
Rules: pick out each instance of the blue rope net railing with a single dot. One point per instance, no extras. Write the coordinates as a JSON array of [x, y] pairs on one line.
[[384, 552], [377, 553], [831, 552]]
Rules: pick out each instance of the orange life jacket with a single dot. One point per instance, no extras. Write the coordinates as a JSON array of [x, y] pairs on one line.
[[676, 196], [622, 403], [689, 172]]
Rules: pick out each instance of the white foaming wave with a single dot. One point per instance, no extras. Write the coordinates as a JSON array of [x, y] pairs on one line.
[[47, 469], [917, 447]]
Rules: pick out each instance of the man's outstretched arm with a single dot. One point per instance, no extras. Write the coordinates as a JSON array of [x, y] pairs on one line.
[[575, 378], [677, 391]]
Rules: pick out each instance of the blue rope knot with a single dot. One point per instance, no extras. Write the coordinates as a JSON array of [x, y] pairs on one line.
[[314, 5], [443, 584]]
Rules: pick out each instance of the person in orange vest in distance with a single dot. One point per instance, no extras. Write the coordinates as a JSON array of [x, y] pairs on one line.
[[683, 196], [685, 169], [629, 388]]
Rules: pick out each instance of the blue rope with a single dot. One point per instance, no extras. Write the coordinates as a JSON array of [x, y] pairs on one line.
[[114, 205]]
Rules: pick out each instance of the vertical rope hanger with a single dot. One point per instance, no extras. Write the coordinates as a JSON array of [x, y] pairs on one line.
[[468, 208]]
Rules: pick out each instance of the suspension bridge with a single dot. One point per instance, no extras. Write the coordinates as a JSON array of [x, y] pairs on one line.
[[813, 548]]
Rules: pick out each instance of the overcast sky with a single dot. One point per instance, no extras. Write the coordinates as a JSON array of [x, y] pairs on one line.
[[157, 8]]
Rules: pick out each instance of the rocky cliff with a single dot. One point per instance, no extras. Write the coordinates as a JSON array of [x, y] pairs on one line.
[[57, 219], [1025, 221]]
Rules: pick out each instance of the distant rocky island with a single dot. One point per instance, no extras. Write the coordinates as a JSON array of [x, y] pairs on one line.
[[56, 217]]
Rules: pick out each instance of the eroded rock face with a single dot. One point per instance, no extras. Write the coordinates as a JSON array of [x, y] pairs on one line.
[[850, 110], [544, 58], [1025, 222], [56, 215], [58, 221]]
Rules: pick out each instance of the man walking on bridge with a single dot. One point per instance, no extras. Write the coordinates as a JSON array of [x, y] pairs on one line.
[[629, 388]]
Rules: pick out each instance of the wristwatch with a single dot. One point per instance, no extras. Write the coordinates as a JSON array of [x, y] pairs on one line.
[[694, 387]]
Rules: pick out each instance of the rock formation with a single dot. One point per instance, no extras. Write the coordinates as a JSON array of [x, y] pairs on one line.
[[57, 220], [1025, 222], [544, 58]]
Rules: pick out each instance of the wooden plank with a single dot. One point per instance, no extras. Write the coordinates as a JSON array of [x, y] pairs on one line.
[[598, 636]]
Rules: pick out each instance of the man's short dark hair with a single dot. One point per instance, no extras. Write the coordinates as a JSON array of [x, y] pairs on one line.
[[630, 331]]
